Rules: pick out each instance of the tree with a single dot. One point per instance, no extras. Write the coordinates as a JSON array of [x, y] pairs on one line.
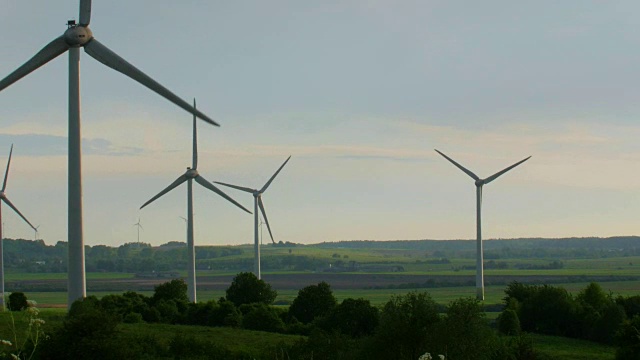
[[175, 289], [246, 288], [508, 322], [408, 325], [353, 317], [628, 340], [17, 301], [312, 301], [466, 320]]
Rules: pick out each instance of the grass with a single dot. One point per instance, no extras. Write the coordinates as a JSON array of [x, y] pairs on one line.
[[235, 340], [571, 349], [248, 342]]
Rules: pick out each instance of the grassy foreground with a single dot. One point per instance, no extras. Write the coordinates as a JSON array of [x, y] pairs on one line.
[[247, 342]]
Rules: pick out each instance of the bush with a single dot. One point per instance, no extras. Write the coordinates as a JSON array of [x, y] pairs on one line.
[[407, 327], [133, 318], [175, 290], [353, 317], [508, 322], [312, 301], [246, 288], [17, 301], [628, 340], [263, 318], [466, 320]]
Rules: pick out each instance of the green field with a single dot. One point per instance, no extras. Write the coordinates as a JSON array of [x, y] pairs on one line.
[[444, 295]]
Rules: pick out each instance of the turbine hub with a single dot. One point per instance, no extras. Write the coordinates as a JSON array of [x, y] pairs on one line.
[[480, 182], [76, 35], [191, 173]]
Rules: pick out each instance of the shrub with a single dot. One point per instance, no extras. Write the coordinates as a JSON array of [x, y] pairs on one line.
[[262, 317], [353, 317], [175, 290], [246, 288], [312, 301], [508, 322], [407, 327], [17, 301]]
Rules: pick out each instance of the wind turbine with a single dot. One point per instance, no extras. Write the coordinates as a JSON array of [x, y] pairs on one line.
[[75, 37], [479, 183], [257, 202], [36, 232], [3, 198], [139, 227], [188, 176]]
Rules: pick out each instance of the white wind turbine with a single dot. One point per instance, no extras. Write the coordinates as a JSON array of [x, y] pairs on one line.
[[257, 202], [139, 226], [479, 183], [75, 37], [188, 176], [3, 198]]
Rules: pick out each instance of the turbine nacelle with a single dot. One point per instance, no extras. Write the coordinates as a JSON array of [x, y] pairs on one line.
[[479, 182], [77, 35], [191, 173]]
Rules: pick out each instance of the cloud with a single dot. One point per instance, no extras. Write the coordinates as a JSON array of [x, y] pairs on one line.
[[37, 145]]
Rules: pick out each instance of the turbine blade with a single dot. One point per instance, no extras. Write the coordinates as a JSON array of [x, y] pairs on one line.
[[85, 12], [8, 202], [202, 181], [264, 215], [274, 176], [6, 173], [195, 140], [174, 184], [468, 172], [48, 53], [242, 188], [101, 53], [496, 175]]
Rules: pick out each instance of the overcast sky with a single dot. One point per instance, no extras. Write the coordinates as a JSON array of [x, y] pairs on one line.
[[359, 93]]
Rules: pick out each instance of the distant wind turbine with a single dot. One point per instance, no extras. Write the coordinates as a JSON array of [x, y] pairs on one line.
[[139, 227], [36, 232], [257, 202], [5, 199], [75, 37], [479, 183], [188, 176]]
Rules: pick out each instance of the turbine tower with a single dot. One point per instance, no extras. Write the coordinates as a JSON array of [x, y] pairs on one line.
[[139, 227], [188, 176], [257, 202], [3, 198], [479, 183], [75, 37]]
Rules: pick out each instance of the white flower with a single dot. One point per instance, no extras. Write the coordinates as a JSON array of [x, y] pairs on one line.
[[441, 357], [426, 356], [36, 322], [6, 343]]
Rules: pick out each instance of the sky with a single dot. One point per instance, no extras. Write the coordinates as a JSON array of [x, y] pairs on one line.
[[359, 93]]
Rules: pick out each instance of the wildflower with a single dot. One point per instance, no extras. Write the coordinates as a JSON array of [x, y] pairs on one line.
[[6, 343], [36, 322], [32, 303], [441, 357], [426, 356], [32, 311]]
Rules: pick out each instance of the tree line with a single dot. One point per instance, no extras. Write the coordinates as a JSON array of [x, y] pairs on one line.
[[405, 327]]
